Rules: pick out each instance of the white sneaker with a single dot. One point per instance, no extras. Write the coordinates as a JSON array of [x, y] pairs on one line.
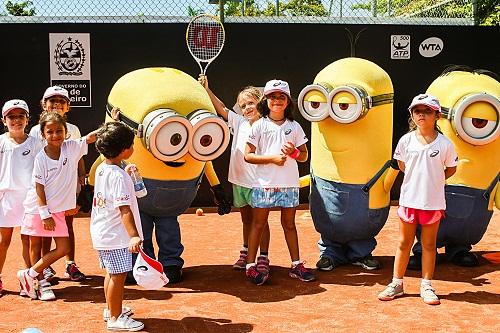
[[124, 323], [45, 292], [428, 295], [125, 311], [27, 283]]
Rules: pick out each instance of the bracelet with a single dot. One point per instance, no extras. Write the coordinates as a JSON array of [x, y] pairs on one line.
[[44, 212], [295, 154]]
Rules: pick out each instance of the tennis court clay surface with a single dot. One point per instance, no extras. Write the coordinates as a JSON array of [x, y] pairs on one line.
[[215, 298]]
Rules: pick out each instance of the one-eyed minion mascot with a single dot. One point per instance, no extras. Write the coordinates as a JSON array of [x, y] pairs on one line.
[[350, 108], [471, 120], [178, 134]]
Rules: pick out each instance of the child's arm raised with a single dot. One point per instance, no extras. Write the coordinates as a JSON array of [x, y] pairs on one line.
[[43, 209], [219, 106], [128, 221], [92, 136]]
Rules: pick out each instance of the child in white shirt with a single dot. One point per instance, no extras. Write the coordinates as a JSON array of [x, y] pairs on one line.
[[115, 222]]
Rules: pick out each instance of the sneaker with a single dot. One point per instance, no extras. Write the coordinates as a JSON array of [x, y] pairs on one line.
[[428, 295], [301, 273], [263, 265], [49, 274], [392, 291], [44, 291], [73, 273], [255, 276], [125, 311], [325, 264], [367, 263], [241, 263], [27, 283], [124, 323], [22, 293]]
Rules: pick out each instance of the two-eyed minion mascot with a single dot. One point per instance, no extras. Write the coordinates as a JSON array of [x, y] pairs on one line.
[[350, 108], [177, 135], [471, 120]]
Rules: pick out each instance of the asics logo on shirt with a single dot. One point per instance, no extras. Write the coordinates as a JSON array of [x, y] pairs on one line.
[[65, 161], [26, 152], [434, 153], [288, 131], [101, 172]]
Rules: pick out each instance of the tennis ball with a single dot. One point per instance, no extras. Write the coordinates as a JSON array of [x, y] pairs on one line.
[[199, 212]]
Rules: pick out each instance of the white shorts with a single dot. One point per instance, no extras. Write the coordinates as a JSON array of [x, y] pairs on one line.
[[11, 208]]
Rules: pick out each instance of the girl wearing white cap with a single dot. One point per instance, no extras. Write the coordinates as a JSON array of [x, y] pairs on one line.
[[276, 143], [427, 159], [56, 99], [242, 174], [17, 152]]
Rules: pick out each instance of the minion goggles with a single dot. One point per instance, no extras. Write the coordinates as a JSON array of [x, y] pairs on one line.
[[169, 135]]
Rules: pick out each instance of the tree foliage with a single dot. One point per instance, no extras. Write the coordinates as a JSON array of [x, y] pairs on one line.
[[20, 9], [488, 11], [286, 8]]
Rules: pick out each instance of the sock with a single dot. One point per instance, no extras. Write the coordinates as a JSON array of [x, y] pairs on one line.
[[295, 263], [250, 265], [244, 248], [32, 273], [397, 281], [69, 262], [426, 282], [264, 254]]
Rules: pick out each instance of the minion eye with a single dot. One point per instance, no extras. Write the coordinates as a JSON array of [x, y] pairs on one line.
[[210, 136], [166, 134], [313, 102], [348, 104], [476, 118]]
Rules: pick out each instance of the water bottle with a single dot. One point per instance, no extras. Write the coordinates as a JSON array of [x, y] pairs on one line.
[[139, 187]]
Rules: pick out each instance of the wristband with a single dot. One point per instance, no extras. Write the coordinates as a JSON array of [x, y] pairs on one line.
[[44, 212], [295, 154]]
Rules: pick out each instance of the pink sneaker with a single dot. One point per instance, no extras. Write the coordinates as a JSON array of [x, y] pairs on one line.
[[263, 265], [241, 263]]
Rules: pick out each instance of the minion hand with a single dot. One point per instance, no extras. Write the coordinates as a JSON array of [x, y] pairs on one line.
[[221, 199]]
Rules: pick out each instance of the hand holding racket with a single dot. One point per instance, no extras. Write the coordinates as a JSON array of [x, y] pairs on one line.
[[205, 38]]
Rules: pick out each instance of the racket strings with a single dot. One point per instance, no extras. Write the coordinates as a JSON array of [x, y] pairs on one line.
[[205, 38]]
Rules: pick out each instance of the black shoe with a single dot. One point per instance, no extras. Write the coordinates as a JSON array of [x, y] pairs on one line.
[[367, 263], [325, 264], [130, 280], [174, 273], [415, 262], [466, 259]]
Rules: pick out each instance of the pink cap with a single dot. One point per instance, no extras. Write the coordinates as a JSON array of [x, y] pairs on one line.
[[149, 272], [427, 100], [14, 104], [277, 85], [55, 91]]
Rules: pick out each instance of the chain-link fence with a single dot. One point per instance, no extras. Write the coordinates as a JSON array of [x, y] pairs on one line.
[[426, 12]]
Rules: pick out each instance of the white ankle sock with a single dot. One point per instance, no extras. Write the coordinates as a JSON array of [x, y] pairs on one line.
[[250, 265], [295, 263], [426, 282], [398, 281], [32, 273]]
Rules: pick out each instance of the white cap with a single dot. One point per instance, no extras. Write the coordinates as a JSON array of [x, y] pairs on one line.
[[55, 91], [149, 272], [277, 85], [427, 100], [14, 104]]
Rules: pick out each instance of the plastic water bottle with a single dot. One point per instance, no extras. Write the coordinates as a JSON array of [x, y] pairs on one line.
[[139, 187]]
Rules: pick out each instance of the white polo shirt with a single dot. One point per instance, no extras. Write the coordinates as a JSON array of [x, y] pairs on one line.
[[269, 138], [424, 180], [59, 177], [241, 172], [113, 188]]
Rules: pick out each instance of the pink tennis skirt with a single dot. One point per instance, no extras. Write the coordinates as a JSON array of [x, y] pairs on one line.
[[420, 216], [33, 226]]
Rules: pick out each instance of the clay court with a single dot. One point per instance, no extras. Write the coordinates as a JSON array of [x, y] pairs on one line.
[[215, 298]]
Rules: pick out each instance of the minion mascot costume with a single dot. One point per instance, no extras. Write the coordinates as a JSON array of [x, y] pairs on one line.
[[471, 120], [177, 135], [350, 109]]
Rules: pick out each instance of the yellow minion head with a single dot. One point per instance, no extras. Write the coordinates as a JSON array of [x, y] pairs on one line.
[[175, 122], [471, 120]]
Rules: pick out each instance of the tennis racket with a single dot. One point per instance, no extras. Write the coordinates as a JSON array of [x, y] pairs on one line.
[[205, 38]]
